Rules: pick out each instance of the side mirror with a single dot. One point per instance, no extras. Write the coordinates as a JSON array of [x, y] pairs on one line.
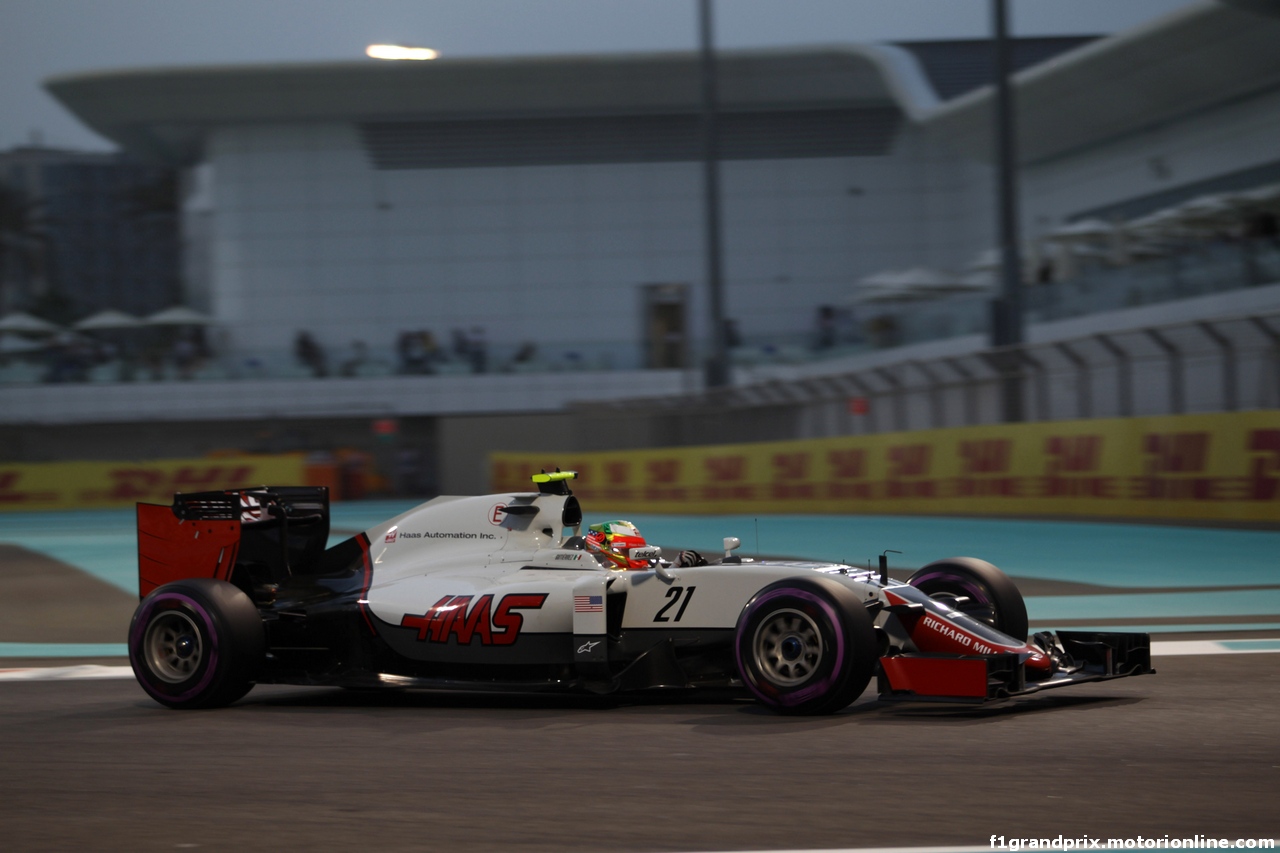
[[653, 554], [731, 544]]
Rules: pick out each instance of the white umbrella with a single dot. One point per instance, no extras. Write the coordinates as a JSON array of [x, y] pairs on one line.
[[69, 338], [1085, 229], [20, 322], [1164, 221], [992, 260], [884, 286], [911, 284], [929, 283], [1261, 195], [108, 319], [924, 278], [11, 345], [1258, 198], [980, 279], [1140, 249], [1084, 251], [179, 315], [884, 278], [1208, 209], [987, 259]]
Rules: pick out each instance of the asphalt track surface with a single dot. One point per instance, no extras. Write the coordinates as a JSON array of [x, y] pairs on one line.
[[97, 765], [1195, 749]]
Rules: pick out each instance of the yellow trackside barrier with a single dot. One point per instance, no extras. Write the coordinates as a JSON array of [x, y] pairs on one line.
[[1223, 467], [89, 485]]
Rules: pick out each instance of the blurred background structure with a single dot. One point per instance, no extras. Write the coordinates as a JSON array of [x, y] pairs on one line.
[[426, 261]]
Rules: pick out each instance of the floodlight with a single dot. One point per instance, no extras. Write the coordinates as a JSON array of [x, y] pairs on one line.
[[396, 51]]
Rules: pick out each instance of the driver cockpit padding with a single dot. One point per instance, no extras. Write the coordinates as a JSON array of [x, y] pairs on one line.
[[571, 515]]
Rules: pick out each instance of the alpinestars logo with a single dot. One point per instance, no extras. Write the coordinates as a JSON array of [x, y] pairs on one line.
[[455, 616]]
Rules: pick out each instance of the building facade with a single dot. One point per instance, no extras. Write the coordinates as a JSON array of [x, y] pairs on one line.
[[554, 206], [102, 232]]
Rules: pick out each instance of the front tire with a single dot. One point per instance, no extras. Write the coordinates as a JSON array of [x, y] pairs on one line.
[[992, 597], [805, 646], [196, 643]]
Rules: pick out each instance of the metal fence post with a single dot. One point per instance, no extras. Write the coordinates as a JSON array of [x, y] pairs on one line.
[[869, 393], [899, 404], [1124, 374], [1042, 385], [1084, 390], [1174, 355], [969, 389], [936, 415], [1230, 393], [1272, 335]]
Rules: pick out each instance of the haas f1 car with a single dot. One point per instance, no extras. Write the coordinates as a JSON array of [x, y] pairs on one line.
[[505, 592]]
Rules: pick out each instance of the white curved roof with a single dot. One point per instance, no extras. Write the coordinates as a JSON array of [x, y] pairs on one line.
[[166, 112], [1205, 54]]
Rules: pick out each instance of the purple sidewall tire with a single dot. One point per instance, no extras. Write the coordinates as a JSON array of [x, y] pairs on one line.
[[975, 591], [824, 683], [983, 584], [844, 629], [209, 638], [231, 637]]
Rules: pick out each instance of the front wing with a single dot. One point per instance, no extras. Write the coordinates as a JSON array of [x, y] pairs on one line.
[[1093, 656]]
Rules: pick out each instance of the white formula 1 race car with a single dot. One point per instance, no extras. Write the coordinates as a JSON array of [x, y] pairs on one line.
[[505, 592]]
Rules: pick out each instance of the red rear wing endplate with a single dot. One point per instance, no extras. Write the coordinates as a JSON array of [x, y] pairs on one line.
[[170, 548]]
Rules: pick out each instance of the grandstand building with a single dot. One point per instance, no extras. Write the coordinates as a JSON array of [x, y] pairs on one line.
[[547, 212]]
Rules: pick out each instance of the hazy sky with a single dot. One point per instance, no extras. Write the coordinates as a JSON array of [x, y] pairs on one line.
[[39, 38]]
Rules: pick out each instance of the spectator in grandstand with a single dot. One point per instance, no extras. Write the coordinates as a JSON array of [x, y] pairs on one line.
[[310, 354], [478, 350], [359, 358], [825, 328]]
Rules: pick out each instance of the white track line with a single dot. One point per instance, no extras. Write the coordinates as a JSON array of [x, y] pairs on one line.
[[60, 673], [1213, 647], [972, 849]]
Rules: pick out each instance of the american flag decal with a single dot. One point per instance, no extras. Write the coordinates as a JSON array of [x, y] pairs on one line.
[[588, 604]]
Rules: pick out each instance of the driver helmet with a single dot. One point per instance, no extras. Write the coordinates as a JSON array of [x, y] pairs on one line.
[[612, 541]]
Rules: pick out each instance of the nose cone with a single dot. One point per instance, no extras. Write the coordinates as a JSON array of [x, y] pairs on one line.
[[1038, 660]]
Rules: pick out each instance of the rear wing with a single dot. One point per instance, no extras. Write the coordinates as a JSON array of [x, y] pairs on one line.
[[266, 533]]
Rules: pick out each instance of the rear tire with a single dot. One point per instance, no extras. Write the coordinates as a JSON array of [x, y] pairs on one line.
[[992, 596], [805, 646], [196, 643]]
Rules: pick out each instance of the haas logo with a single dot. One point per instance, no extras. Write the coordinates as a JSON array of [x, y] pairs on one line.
[[456, 616]]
